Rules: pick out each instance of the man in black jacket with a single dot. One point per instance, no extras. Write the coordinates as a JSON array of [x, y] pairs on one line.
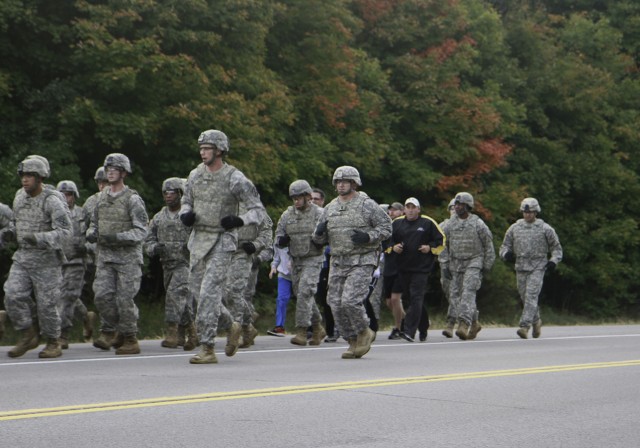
[[417, 240]]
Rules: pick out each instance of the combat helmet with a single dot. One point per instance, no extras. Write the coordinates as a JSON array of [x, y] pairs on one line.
[[464, 198], [530, 205], [119, 161], [347, 173], [173, 184], [43, 160], [216, 138], [299, 187], [33, 165], [68, 186], [100, 175]]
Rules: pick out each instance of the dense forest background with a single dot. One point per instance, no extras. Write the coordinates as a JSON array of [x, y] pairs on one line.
[[504, 99]]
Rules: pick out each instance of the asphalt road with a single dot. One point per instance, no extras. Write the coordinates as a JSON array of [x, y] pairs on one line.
[[574, 387]]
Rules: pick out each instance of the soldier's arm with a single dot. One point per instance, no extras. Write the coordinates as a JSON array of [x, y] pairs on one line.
[[487, 243], [379, 221], [265, 234], [246, 193], [151, 240], [60, 224], [323, 237], [186, 203], [554, 244], [507, 243], [139, 221]]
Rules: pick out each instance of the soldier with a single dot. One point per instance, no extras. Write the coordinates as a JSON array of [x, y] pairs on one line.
[[468, 254], [41, 223], [528, 243], [167, 238], [452, 317], [6, 219], [354, 226], [211, 204], [73, 269], [119, 227], [295, 229]]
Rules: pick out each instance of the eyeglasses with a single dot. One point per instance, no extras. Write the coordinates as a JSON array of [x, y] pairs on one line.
[[111, 169]]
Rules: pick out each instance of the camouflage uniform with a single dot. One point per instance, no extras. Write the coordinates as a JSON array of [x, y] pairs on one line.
[[531, 243], [37, 268], [468, 253], [212, 196], [6, 218], [306, 260], [266, 254], [452, 312], [167, 237], [118, 263], [352, 265]]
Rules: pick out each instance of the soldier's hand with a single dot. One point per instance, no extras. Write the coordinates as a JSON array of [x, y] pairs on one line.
[[321, 229], [231, 222], [360, 237], [283, 241], [551, 266], [109, 238], [30, 238], [92, 238], [249, 247], [446, 273], [188, 218], [509, 257]]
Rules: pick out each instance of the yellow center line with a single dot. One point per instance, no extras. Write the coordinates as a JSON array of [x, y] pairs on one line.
[[289, 390]]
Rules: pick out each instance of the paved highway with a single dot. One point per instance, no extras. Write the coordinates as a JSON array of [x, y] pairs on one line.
[[574, 387]]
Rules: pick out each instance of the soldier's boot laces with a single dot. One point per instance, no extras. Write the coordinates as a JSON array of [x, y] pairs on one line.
[[301, 336], [537, 328], [249, 334], [51, 350], [63, 340], [87, 325], [463, 330], [28, 341], [104, 341], [448, 330], [474, 330], [206, 355], [233, 339], [130, 346], [3, 319], [318, 334], [363, 342], [181, 335], [351, 351], [522, 332], [171, 336], [192, 337]]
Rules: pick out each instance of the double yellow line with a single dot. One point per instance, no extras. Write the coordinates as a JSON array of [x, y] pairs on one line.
[[289, 390]]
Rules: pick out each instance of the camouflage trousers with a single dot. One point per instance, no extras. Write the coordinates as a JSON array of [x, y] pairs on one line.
[[348, 287], [69, 305], [236, 282], [452, 312], [462, 293], [376, 298], [44, 283], [178, 302], [115, 288], [304, 281], [529, 287], [250, 290], [206, 280]]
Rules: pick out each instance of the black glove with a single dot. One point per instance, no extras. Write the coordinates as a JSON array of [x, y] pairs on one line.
[[321, 228], [188, 218], [509, 257], [446, 273], [551, 266], [92, 238], [360, 237], [30, 238], [231, 222], [109, 238], [283, 241], [249, 247], [317, 245]]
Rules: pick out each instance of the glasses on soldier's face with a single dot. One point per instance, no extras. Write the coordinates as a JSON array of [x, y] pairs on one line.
[[111, 169]]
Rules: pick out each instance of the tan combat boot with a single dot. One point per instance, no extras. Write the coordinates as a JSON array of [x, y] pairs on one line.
[[87, 325], [130, 346], [28, 341], [63, 340], [463, 330], [52, 349], [118, 340], [171, 336], [351, 351], [105, 340], [318, 334], [181, 335], [192, 337], [205, 356], [448, 330], [301, 336], [233, 339], [249, 334], [3, 319], [522, 332], [474, 330], [537, 329], [363, 342]]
